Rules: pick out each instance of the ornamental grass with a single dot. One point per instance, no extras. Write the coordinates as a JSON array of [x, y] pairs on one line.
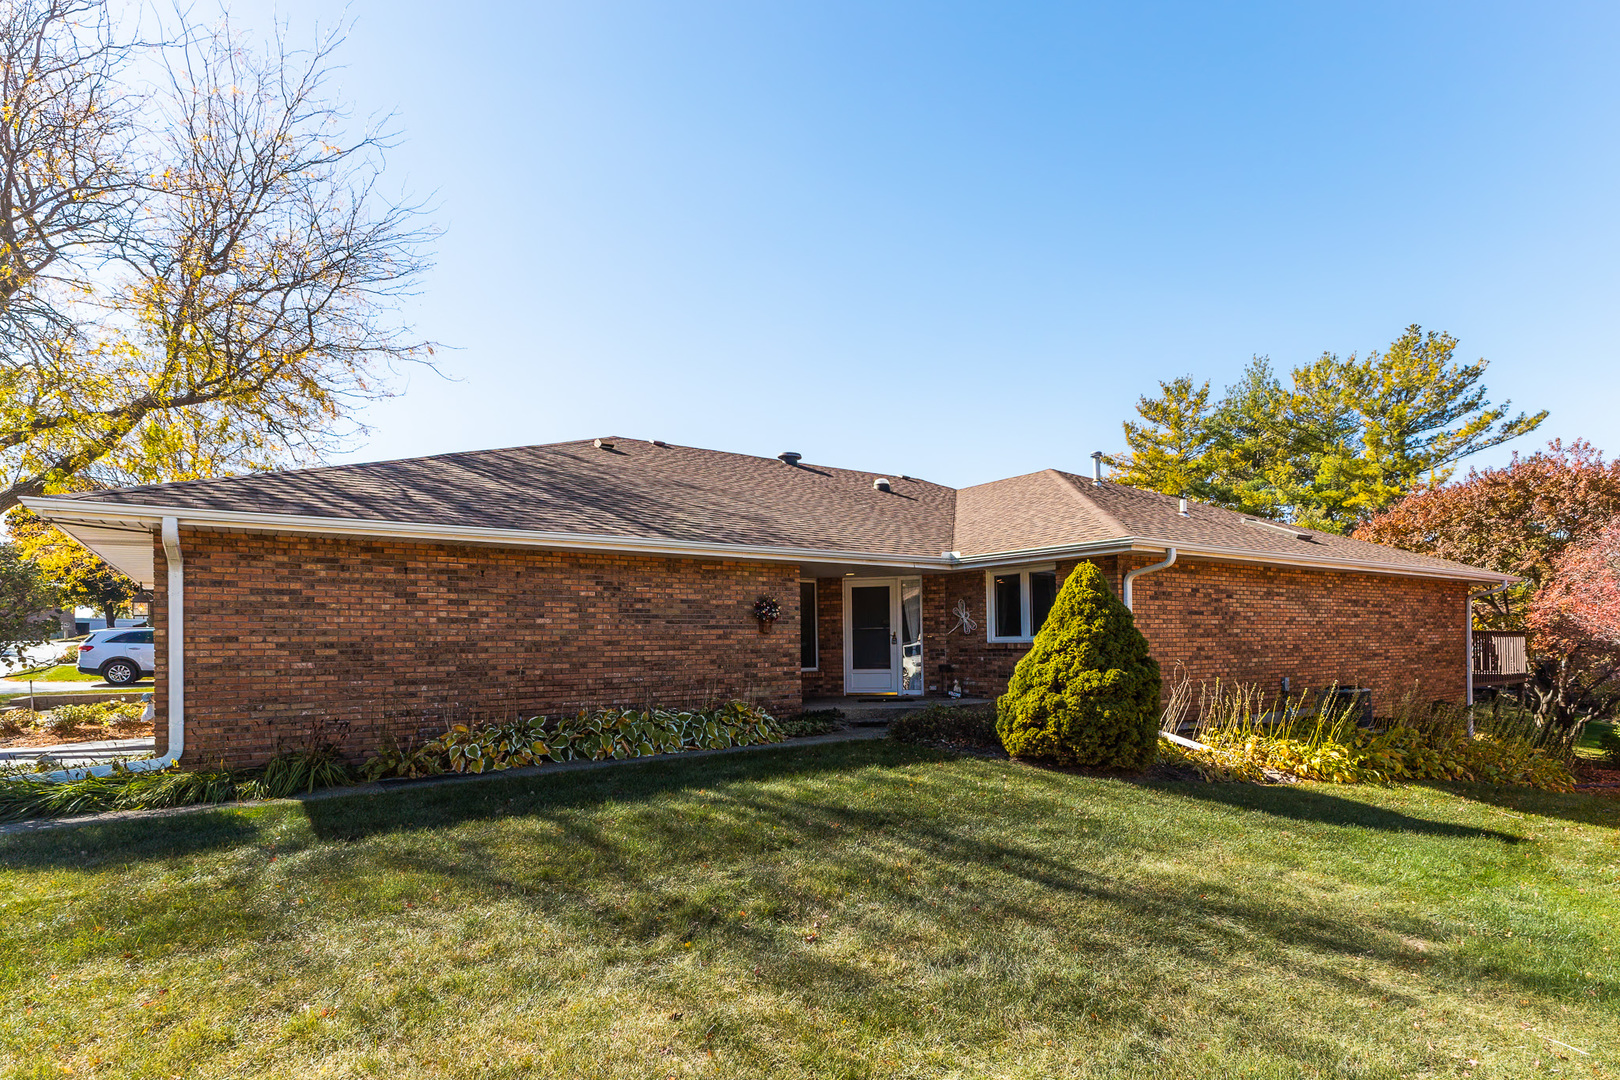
[[1249, 736]]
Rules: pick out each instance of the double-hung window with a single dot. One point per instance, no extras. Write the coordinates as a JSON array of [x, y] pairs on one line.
[[1018, 601]]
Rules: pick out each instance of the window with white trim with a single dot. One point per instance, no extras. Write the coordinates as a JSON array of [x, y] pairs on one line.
[[1018, 601]]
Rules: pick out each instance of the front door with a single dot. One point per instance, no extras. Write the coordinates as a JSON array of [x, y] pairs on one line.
[[878, 613]]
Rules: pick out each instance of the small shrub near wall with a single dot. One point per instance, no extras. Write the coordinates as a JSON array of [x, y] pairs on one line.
[[1087, 692], [949, 725]]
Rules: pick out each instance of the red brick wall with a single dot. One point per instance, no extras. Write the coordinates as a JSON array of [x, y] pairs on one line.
[[1256, 624], [1243, 623], [828, 679], [364, 639]]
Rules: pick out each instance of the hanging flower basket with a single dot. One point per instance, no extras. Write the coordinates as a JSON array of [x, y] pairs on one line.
[[767, 610]]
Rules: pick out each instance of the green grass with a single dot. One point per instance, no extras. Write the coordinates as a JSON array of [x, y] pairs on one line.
[[1591, 741], [854, 910], [58, 673]]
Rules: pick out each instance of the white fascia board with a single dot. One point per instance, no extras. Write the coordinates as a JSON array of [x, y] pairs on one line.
[[93, 513], [992, 560], [88, 512], [1129, 544], [1309, 562]]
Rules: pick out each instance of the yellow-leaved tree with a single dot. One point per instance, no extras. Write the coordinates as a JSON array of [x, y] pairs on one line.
[[198, 279]]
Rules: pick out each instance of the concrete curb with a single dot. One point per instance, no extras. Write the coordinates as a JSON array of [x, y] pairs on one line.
[[105, 749], [385, 787], [50, 699]]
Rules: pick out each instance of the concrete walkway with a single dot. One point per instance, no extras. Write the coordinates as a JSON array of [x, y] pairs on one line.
[[77, 754], [20, 686], [385, 787], [861, 710]]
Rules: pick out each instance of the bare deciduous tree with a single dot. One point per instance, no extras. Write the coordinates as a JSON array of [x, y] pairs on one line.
[[199, 279]]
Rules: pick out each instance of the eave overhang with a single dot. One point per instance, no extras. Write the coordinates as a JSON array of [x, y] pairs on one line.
[[122, 534]]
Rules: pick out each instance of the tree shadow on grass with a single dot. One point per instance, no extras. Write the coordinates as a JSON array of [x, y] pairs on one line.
[[1314, 805], [1580, 807], [956, 904], [354, 817], [89, 844], [633, 881]]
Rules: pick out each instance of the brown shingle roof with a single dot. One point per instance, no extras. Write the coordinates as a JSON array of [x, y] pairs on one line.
[[1032, 511], [1151, 516], [636, 489], [642, 491]]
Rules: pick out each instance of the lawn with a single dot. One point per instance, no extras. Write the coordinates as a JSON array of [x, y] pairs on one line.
[[57, 673], [854, 910]]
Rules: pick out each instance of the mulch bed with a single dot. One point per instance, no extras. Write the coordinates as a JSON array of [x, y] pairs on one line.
[[140, 729], [1597, 776]]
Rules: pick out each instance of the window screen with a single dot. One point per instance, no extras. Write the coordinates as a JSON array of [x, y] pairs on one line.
[[1009, 606], [1042, 594], [807, 624]]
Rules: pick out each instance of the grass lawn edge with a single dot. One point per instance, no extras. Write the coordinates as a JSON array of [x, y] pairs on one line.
[[30, 826]]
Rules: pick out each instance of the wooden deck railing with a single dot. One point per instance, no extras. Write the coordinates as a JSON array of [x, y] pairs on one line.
[[1499, 657]]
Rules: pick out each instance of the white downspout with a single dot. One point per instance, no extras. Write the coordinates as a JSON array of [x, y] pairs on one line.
[[1169, 561], [176, 670]]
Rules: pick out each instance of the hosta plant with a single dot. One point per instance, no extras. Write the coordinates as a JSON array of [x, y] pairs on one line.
[[607, 734]]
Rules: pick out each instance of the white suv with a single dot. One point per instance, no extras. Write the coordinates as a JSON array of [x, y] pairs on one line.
[[121, 655]]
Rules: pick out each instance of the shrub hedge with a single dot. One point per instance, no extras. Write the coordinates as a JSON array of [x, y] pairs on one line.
[[948, 725]]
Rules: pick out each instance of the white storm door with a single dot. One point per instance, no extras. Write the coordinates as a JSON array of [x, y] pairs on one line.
[[871, 636]]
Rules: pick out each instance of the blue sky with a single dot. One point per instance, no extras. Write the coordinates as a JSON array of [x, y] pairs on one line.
[[958, 240]]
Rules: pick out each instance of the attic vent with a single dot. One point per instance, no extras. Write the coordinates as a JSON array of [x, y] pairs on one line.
[[1275, 526], [660, 442], [602, 444], [882, 484], [790, 457]]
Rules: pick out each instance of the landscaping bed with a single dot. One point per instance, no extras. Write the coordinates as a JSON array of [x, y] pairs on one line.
[[607, 734], [91, 722]]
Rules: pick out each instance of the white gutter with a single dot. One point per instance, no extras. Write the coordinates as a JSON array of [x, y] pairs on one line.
[[73, 511], [1307, 562], [92, 512], [176, 673], [1153, 568]]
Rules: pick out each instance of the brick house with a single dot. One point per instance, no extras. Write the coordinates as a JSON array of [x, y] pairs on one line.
[[387, 600]]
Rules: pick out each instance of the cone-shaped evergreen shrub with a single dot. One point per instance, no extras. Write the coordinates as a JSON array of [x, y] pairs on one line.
[[1087, 692]]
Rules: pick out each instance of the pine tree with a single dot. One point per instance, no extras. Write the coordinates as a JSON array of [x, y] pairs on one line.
[[1087, 692]]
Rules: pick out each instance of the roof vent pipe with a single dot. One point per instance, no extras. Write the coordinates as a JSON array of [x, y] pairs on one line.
[[790, 457], [1183, 510], [882, 484], [1096, 468]]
